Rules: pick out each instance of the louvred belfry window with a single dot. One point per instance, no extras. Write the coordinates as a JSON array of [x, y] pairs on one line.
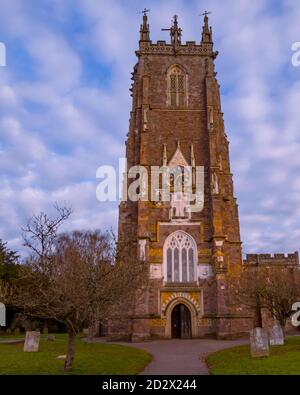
[[177, 88]]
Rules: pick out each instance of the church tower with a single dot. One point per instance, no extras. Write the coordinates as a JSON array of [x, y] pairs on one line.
[[176, 121]]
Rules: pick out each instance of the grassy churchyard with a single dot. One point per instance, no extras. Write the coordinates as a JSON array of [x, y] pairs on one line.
[[282, 360], [106, 358], [95, 359]]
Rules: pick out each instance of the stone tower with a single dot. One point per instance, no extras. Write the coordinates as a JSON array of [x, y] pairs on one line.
[[176, 121]]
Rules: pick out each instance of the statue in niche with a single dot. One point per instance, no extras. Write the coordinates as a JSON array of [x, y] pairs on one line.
[[179, 206], [220, 163], [142, 249], [215, 184]]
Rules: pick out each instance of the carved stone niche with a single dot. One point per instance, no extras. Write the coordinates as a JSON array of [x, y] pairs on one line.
[[204, 271], [155, 271], [219, 243], [179, 210], [142, 249]]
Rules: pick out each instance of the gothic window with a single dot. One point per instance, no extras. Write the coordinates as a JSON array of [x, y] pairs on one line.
[[176, 87], [180, 258]]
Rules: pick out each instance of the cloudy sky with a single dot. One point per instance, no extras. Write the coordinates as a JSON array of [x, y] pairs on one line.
[[64, 106]]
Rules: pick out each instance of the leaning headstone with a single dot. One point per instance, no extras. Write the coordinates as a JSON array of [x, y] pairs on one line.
[[51, 338], [32, 341], [276, 336], [259, 343]]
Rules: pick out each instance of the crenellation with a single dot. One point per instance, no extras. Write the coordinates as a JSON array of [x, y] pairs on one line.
[[265, 256], [272, 259], [189, 48]]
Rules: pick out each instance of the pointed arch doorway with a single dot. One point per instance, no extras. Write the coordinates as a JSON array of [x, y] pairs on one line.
[[181, 322]]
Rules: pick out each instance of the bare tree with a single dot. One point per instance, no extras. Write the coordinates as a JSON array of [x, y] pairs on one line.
[[75, 279], [41, 231], [247, 287], [275, 288], [281, 291]]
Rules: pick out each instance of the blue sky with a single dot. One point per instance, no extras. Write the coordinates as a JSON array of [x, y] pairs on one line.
[[64, 106]]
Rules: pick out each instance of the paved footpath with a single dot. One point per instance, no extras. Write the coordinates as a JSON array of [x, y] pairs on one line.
[[178, 356]]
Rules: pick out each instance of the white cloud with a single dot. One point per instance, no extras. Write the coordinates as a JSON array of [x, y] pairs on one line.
[[57, 125]]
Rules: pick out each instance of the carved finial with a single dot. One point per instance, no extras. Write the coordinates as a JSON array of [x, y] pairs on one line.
[[175, 21], [165, 159], [175, 32], [144, 30], [178, 144], [206, 30], [205, 13], [145, 11], [192, 156]]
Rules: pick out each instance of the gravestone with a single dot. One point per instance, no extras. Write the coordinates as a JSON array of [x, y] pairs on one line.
[[276, 336], [259, 343], [45, 330], [51, 338], [32, 341], [2, 314]]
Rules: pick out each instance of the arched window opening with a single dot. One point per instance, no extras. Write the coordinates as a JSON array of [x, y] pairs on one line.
[[177, 87], [180, 256]]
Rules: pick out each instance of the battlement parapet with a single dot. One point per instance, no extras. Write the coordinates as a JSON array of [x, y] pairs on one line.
[[162, 48], [272, 259]]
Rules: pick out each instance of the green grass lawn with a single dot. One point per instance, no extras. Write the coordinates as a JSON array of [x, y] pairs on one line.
[[98, 358], [282, 360]]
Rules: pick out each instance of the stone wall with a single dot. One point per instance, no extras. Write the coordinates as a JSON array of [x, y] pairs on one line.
[[272, 259]]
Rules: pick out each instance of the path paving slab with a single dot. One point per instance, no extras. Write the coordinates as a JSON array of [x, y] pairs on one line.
[[182, 357]]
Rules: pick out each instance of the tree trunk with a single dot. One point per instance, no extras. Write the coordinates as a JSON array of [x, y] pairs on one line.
[[258, 317], [282, 323], [71, 351]]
